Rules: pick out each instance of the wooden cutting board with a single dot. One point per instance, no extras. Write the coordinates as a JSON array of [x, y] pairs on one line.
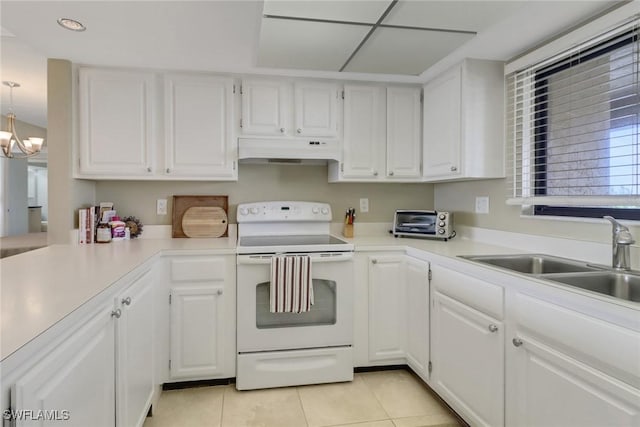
[[182, 203], [204, 221]]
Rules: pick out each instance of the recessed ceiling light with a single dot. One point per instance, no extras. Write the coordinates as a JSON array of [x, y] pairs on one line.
[[71, 24]]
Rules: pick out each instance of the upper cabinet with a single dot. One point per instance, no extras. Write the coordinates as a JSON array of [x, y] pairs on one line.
[[116, 110], [464, 122], [121, 126], [199, 126], [278, 108], [382, 135]]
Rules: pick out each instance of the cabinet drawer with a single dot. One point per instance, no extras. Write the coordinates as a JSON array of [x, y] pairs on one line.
[[605, 346], [196, 269], [483, 296]]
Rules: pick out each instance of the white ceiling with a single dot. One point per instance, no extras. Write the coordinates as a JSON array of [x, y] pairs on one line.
[[225, 36]]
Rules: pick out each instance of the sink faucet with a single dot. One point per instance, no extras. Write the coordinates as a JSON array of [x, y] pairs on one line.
[[621, 239]]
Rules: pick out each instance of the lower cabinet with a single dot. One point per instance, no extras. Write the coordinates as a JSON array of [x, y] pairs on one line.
[[417, 312], [387, 315], [202, 317], [102, 374], [75, 382], [568, 369], [467, 348]]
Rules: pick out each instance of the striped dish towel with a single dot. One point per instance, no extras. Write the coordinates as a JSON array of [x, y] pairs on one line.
[[291, 289]]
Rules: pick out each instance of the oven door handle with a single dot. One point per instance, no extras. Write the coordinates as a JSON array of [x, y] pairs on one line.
[[315, 258]]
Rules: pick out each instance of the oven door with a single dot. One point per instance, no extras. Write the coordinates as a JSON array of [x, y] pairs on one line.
[[328, 323]]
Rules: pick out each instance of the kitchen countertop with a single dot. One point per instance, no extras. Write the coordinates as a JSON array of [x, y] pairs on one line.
[[41, 287]]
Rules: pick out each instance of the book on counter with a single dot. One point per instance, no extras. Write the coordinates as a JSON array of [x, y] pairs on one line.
[[88, 219]]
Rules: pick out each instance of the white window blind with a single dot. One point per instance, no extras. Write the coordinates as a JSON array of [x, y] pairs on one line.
[[573, 123]]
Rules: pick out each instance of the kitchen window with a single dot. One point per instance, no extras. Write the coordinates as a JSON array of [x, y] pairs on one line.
[[574, 126]]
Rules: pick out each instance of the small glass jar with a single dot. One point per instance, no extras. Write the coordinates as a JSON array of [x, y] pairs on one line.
[[103, 233]]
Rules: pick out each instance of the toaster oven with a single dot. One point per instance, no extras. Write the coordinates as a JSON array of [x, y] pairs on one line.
[[423, 223]]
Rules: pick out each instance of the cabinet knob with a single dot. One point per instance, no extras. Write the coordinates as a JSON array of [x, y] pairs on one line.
[[116, 313], [374, 261], [517, 342], [219, 292], [126, 301], [281, 130], [454, 168], [391, 173], [375, 173], [148, 169], [493, 328], [299, 130]]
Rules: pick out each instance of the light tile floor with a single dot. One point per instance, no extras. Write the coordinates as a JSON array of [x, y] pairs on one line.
[[374, 399]]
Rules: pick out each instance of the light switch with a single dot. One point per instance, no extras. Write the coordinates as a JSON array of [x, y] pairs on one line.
[[482, 205]]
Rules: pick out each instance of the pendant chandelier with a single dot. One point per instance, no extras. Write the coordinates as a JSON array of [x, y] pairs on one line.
[[9, 137]]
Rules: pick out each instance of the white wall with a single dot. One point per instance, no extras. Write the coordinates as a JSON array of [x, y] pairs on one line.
[[13, 173]]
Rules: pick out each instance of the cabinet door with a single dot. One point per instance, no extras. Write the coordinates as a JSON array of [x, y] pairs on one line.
[[553, 389], [265, 107], [116, 122], [199, 126], [135, 355], [316, 109], [197, 332], [442, 125], [364, 132], [387, 317], [75, 381], [417, 280], [467, 352], [404, 142]]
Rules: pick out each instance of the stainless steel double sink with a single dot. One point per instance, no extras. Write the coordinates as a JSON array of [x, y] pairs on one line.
[[618, 284]]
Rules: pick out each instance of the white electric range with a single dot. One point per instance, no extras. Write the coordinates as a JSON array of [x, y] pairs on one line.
[[285, 349]]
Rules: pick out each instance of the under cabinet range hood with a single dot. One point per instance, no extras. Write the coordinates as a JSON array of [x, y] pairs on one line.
[[288, 151]]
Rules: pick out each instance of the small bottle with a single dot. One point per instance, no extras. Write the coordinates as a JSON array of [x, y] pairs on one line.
[[127, 233], [117, 228], [103, 233]]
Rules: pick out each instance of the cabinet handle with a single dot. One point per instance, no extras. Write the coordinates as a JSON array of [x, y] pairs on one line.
[[374, 261], [493, 328], [126, 301], [148, 169], [391, 173], [299, 130], [517, 342], [219, 292], [281, 130], [168, 170], [116, 313], [454, 168], [375, 173]]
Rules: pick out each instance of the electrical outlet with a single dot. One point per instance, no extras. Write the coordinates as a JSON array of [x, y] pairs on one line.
[[161, 206], [482, 205], [364, 205]]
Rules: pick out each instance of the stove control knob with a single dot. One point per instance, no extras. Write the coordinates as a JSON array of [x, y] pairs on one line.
[[442, 216], [254, 211], [315, 209], [244, 211], [325, 211]]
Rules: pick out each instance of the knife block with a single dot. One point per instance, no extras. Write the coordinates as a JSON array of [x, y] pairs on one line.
[[348, 230]]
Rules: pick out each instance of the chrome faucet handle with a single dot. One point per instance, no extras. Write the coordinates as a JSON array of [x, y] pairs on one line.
[[616, 225], [621, 234]]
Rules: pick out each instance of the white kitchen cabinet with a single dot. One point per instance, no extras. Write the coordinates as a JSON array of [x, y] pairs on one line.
[[417, 311], [316, 109], [202, 311], [463, 122], [467, 346], [404, 142], [199, 127], [568, 369], [135, 351], [387, 312], [363, 146], [382, 135], [78, 377], [116, 110], [265, 107]]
